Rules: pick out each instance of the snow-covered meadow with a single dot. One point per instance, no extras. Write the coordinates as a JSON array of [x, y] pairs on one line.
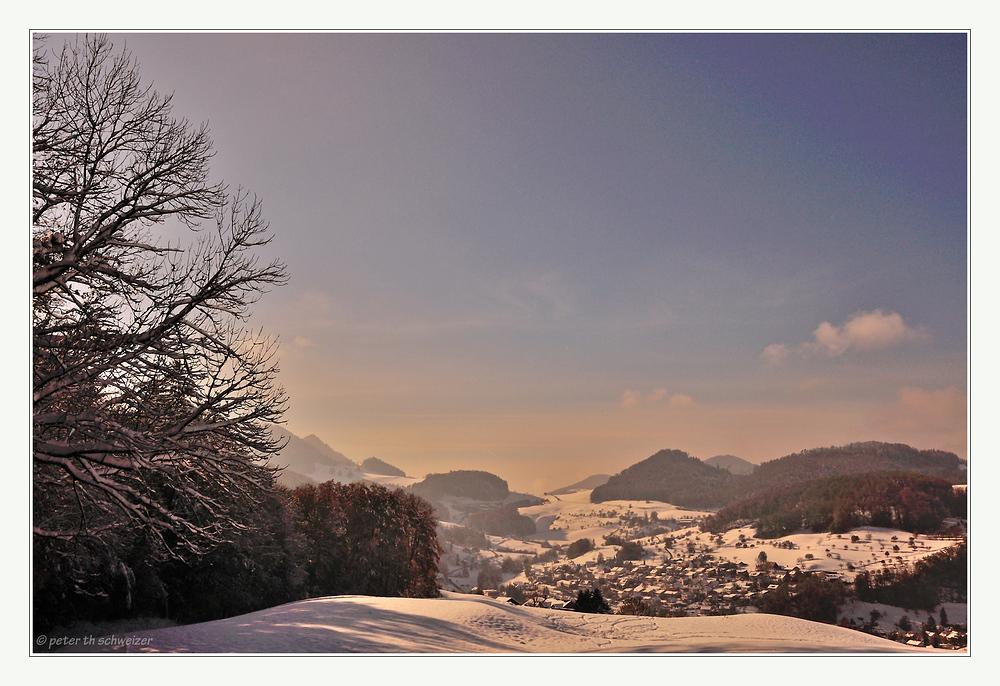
[[457, 623]]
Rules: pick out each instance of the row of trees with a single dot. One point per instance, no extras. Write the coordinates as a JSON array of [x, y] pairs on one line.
[[579, 547], [330, 539]]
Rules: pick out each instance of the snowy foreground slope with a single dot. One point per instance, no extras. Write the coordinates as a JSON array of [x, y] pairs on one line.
[[457, 623]]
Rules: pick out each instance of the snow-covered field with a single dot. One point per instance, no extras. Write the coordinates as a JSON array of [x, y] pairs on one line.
[[458, 623], [573, 517], [567, 518]]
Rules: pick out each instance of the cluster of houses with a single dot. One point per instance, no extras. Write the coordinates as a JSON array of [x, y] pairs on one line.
[[694, 586], [687, 581], [948, 637], [699, 585]]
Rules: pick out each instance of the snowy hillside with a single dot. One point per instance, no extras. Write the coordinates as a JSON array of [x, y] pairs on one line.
[[458, 623]]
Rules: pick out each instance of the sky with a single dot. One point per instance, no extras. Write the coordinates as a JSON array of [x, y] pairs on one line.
[[552, 255]]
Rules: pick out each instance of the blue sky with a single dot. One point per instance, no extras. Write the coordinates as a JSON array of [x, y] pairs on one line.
[[552, 255]]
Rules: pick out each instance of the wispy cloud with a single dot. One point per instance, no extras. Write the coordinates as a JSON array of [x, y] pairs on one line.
[[921, 417], [864, 331], [776, 353], [916, 407], [631, 399], [812, 383], [681, 400], [657, 397]]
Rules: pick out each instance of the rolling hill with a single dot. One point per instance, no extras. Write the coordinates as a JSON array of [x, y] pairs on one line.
[[464, 483], [457, 623], [855, 458], [670, 476]]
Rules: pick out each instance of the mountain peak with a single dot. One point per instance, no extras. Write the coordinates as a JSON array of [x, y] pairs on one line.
[[326, 451]]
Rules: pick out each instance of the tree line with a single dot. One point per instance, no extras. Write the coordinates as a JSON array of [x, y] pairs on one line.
[[312, 541]]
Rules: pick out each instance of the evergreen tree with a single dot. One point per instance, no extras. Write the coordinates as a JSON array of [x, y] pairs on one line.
[[592, 602]]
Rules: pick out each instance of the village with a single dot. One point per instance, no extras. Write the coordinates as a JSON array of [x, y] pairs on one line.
[[645, 560]]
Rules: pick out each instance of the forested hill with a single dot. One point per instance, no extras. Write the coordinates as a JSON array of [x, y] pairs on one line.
[[904, 500], [373, 465], [674, 477], [462, 483], [856, 458], [670, 476]]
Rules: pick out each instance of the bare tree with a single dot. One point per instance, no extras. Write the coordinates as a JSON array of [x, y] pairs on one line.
[[152, 401]]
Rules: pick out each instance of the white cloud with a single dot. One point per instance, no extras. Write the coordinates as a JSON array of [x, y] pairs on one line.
[[864, 331], [301, 343]]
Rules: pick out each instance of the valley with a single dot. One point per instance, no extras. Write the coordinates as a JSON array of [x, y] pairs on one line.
[[655, 559]]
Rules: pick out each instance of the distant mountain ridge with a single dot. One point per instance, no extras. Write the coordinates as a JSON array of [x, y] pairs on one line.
[[332, 455], [673, 476], [732, 464], [311, 459]]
